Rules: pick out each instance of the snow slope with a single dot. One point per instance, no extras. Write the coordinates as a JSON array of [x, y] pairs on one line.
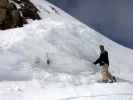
[[71, 48]]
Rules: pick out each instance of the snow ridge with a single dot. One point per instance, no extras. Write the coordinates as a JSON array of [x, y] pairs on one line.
[[71, 47]]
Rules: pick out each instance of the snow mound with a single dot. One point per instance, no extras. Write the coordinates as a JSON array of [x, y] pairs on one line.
[[69, 45]]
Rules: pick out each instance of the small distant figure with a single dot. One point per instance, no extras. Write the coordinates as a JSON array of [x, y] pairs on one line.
[[54, 9], [48, 60], [103, 60]]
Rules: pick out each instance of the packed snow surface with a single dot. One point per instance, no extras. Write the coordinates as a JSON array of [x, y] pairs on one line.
[[70, 47]]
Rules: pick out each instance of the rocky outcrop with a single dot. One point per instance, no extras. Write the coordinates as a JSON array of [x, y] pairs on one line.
[[29, 10], [13, 13], [3, 11]]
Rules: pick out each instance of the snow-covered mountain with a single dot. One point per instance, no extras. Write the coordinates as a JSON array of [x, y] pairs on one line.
[[71, 47]]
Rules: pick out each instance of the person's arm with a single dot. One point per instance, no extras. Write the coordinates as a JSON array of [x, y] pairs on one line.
[[98, 60]]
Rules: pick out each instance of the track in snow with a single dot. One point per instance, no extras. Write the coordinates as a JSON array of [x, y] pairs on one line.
[[100, 95]]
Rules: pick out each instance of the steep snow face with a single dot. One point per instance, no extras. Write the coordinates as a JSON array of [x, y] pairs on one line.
[[69, 45], [77, 40], [56, 36], [52, 59]]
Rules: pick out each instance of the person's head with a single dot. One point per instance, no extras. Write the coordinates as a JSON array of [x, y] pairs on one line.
[[101, 48]]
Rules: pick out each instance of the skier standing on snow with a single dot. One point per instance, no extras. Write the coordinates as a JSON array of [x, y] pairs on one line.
[[103, 60]]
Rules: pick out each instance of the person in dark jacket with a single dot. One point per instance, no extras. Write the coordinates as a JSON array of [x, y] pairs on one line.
[[103, 60]]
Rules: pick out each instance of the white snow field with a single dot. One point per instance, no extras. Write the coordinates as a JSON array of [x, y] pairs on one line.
[[71, 47]]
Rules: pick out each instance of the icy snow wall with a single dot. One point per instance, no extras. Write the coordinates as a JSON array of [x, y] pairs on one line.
[[69, 45]]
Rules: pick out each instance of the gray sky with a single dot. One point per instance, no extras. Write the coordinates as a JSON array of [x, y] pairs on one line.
[[113, 18]]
